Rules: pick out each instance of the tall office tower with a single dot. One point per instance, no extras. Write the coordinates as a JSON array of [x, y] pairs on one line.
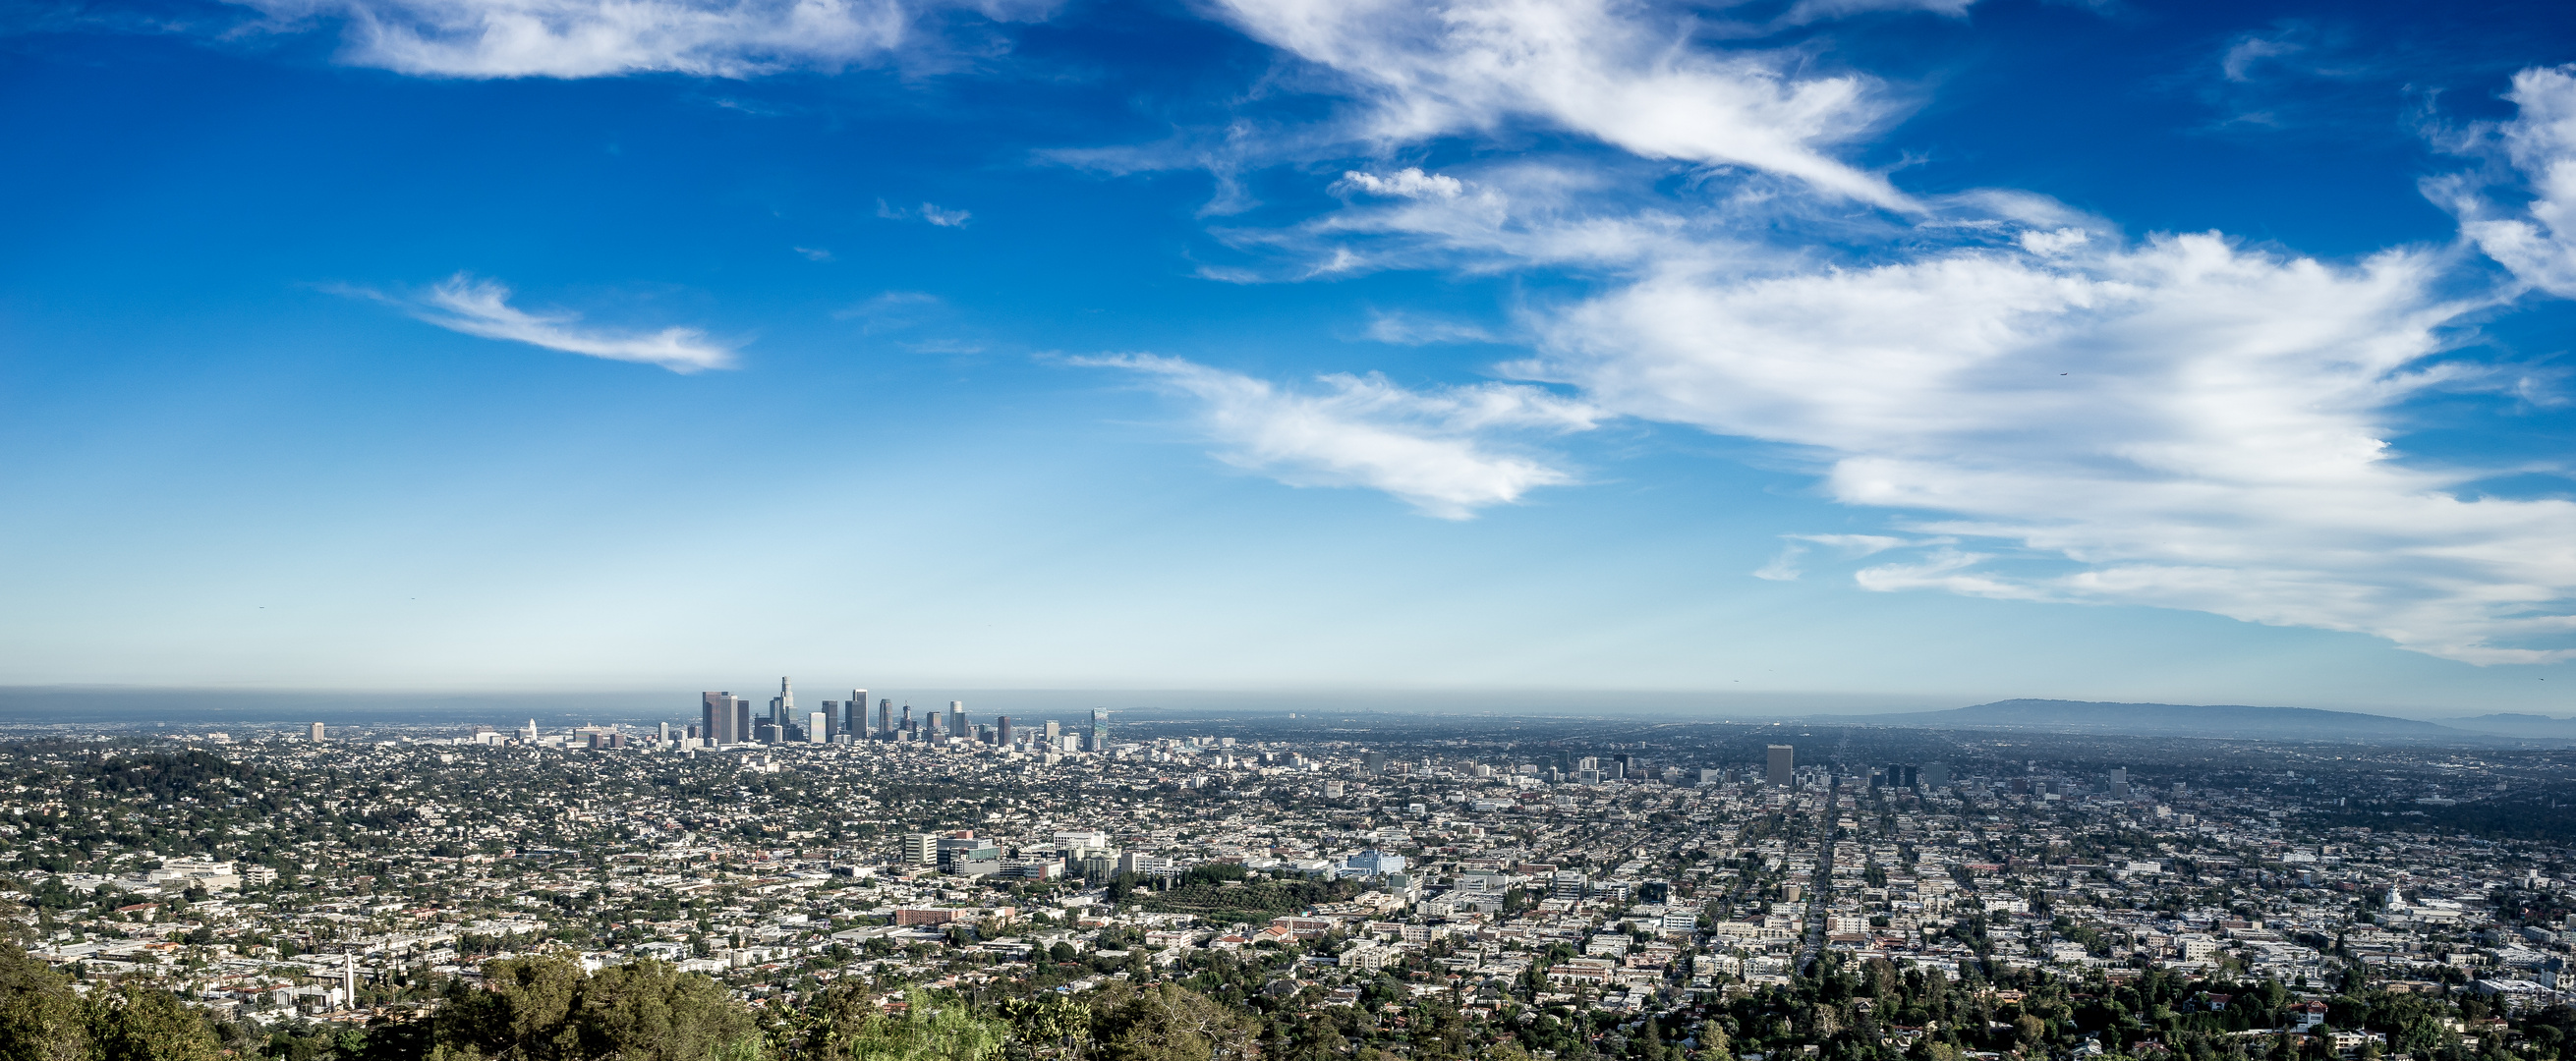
[[957, 719], [666, 733], [885, 718], [782, 707], [920, 849], [831, 718], [932, 724], [907, 718], [1588, 763], [1054, 734], [1002, 732], [317, 733], [818, 728], [1099, 729], [716, 722], [1376, 762], [1784, 759], [854, 715]]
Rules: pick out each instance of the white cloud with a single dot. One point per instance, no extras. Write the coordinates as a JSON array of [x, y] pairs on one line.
[[598, 38], [930, 212], [1538, 212], [2538, 241], [1806, 11], [1439, 450], [482, 308], [1404, 329], [1784, 567], [1408, 183], [2239, 62], [1625, 74], [2182, 424]]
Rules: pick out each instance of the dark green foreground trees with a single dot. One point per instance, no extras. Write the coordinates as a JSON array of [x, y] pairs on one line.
[[42, 1019], [549, 1009]]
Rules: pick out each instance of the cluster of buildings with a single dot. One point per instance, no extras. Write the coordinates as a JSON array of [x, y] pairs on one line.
[[1494, 869], [727, 720]]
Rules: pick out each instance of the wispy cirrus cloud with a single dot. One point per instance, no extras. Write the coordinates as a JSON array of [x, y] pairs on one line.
[[2536, 240], [1624, 74], [479, 307], [1783, 566], [595, 38], [1444, 450], [605, 38], [1406, 329], [931, 213]]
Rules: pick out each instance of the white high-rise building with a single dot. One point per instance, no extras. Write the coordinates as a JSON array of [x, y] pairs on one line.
[[817, 727]]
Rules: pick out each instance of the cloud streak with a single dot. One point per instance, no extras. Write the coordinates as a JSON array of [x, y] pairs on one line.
[[1623, 74], [603, 38], [2538, 241], [1439, 450], [479, 307]]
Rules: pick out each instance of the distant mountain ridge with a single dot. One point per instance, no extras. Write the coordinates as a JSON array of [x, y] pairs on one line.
[[2513, 725], [2180, 720]]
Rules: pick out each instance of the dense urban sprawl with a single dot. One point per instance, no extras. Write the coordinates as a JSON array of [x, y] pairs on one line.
[[1299, 888]]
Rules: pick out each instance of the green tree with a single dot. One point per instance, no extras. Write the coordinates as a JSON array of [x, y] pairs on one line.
[[547, 1009], [140, 1021], [1167, 1022], [849, 1026], [40, 1018]]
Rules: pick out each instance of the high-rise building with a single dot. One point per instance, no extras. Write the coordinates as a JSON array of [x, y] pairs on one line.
[[1376, 762], [666, 733], [726, 718], [854, 716], [1099, 729], [1054, 733], [317, 733], [1002, 732], [1936, 775], [957, 719], [818, 728], [1784, 762], [782, 708], [921, 849], [885, 719]]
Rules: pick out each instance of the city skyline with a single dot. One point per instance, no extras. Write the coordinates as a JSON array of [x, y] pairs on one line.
[[1955, 350]]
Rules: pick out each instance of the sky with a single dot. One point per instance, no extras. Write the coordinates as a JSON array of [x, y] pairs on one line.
[[1822, 350]]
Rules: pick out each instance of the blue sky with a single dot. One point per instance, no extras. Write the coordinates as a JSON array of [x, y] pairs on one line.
[[1881, 347]]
